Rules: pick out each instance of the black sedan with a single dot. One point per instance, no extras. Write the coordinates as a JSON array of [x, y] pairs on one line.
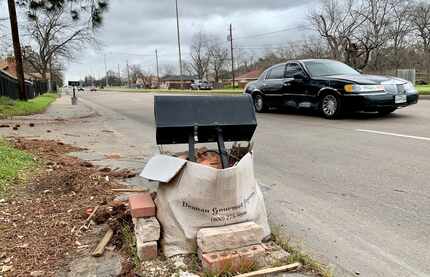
[[329, 86]]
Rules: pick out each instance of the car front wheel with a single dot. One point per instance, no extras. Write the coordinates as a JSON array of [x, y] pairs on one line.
[[259, 104], [330, 106]]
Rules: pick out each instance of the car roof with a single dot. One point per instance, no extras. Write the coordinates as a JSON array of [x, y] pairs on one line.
[[302, 60], [316, 60]]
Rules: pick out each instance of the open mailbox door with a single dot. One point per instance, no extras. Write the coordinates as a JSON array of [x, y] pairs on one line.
[[201, 119]]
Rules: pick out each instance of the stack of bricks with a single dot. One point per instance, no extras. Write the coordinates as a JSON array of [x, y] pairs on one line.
[[230, 248], [146, 226]]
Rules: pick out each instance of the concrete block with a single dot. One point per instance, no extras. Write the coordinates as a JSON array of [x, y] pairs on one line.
[[147, 250], [146, 229], [229, 237], [141, 205], [232, 260]]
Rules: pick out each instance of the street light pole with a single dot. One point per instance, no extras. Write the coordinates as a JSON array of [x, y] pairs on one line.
[[232, 55], [107, 82], [128, 76], [158, 71], [179, 45]]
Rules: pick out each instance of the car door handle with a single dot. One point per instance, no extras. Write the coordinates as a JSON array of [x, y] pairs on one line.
[[288, 82]]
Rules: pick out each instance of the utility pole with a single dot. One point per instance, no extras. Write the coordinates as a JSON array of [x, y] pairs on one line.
[[119, 76], [232, 55], [156, 60], [50, 75], [107, 82], [17, 50], [128, 76], [179, 44]]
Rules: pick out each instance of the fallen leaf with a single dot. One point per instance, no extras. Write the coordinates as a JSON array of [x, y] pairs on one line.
[[6, 268]]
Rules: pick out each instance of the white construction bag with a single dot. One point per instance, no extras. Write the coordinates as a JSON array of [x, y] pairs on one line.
[[192, 196]]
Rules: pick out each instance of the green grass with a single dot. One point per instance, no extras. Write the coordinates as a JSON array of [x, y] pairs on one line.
[[214, 91], [9, 107], [296, 255], [12, 164], [423, 89]]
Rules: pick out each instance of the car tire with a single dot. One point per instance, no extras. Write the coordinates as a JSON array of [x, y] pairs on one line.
[[330, 105], [386, 111], [259, 103]]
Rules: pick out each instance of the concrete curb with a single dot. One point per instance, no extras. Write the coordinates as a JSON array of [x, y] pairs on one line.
[[424, 97]]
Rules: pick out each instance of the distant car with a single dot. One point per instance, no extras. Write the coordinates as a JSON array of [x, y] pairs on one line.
[[93, 89], [202, 85], [329, 86], [80, 89]]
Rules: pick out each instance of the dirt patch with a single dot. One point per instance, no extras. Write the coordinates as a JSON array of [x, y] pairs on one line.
[[40, 222]]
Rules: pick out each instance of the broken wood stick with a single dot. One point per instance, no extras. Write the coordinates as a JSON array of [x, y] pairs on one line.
[[102, 244], [91, 215], [271, 270], [84, 226], [131, 190]]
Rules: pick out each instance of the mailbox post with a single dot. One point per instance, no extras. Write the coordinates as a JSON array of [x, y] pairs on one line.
[[74, 84]]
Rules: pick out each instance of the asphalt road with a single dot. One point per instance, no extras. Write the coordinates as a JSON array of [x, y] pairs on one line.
[[353, 192]]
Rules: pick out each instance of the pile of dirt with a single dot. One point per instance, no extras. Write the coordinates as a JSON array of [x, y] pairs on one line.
[[41, 222]]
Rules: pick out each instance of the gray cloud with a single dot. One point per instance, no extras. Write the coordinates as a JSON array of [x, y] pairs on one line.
[[140, 26]]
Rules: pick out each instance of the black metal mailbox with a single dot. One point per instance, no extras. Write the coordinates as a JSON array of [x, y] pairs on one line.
[[191, 119]]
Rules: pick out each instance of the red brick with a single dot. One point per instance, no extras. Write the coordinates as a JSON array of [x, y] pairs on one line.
[[147, 250], [142, 205], [232, 260]]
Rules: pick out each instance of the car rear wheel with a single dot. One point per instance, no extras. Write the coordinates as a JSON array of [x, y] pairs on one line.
[[386, 111], [259, 104], [330, 106]]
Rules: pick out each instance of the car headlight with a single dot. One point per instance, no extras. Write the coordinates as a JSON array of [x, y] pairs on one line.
[[409, 88], [364, 88]]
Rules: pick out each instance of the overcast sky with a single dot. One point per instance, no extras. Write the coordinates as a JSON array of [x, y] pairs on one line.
[[133, 29]]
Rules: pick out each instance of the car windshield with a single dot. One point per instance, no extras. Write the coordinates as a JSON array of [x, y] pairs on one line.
[[326, 68]]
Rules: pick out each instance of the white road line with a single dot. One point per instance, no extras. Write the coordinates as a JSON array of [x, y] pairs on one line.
[[393, 134]]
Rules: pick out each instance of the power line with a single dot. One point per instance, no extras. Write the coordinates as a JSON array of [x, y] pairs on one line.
[[271, 33]]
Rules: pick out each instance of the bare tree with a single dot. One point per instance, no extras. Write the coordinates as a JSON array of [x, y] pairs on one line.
[[4, 37], [336, 22], [54, 36], [187, 68], [313, 48], [200, 57], [400, 28], [135, 72], [218, 58], [373, 33], [421, 24]]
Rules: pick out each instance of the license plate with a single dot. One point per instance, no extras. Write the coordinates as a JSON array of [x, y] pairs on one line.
[[400, 99]]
